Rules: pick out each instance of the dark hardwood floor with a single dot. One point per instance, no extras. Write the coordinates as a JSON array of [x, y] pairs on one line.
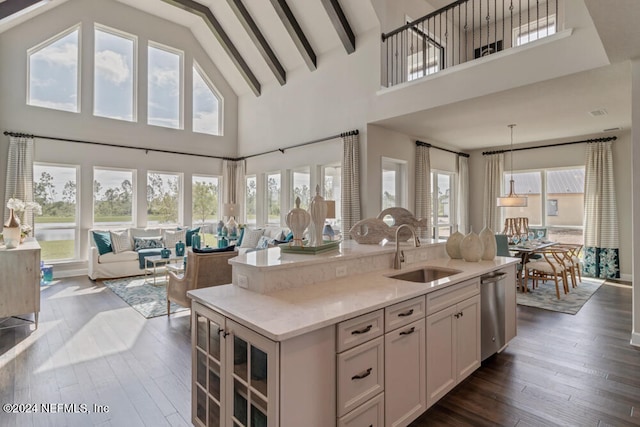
[[92, 348]]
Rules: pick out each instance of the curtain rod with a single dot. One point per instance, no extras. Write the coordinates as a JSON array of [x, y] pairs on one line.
[[105, 144], [282, 150], [146, 150], [426, 144], [605, 139]]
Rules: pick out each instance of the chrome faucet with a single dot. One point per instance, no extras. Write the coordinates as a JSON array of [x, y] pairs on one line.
[[399, 258]]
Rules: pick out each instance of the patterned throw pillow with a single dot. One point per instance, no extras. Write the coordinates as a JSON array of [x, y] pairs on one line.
[[251, 238], [120, 241], [263, 243], [147, 242], [171, 237]]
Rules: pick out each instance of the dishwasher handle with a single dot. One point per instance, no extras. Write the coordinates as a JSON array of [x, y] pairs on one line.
[[492, 278]]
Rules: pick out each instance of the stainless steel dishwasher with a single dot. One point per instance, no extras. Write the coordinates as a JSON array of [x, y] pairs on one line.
[[492, 298]]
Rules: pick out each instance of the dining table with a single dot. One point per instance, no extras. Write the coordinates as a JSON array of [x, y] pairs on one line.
[[524, 252]]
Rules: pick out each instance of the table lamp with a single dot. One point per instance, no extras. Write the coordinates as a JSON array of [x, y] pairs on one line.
[[331, 213]]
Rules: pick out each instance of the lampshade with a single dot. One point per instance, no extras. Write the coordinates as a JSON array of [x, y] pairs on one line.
[[230, 209], [331, 208], [512, 200]]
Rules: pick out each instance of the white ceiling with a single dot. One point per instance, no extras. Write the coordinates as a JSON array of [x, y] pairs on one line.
[[549, 110]]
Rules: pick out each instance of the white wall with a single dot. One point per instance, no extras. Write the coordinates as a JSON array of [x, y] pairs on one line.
[[634, 231], [15, 115], [557, 157]]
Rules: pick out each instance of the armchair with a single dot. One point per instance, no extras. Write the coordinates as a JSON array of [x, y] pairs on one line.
[[203, 270]]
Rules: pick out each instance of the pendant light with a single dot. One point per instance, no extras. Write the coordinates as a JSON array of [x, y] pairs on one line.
[[512, 199]]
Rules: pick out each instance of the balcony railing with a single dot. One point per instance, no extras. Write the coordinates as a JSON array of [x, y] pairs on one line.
[[463, 31]]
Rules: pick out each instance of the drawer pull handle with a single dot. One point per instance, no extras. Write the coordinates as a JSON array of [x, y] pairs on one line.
[[362, 375], [406, 313], [362, 331], [409, 332]]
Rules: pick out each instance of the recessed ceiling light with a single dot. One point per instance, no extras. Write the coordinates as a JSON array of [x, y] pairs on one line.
[[598, 113]]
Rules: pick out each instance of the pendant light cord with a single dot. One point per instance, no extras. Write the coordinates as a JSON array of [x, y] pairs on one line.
[[511, 161]]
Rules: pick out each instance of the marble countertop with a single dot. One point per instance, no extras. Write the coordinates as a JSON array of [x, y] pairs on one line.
[[288, 313]]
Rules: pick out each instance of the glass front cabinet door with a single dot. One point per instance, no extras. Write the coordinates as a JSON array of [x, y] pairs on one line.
[[235, 373]]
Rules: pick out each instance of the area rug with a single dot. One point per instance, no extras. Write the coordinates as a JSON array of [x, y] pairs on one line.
[[147, 299], [544, 296]]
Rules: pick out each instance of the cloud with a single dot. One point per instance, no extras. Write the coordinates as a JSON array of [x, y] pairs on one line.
[[206, 122], [64, 106], [112, 66], [64, 55], [164, 78]]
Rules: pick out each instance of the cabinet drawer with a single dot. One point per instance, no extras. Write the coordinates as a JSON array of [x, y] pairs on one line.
[[360, 374], [369, 414], [359, 329], [444, 298], [403, 313]]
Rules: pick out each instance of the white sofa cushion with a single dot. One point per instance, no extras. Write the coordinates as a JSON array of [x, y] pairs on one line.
[[119, 257], [251, 238], [120, 241], [171, 237]]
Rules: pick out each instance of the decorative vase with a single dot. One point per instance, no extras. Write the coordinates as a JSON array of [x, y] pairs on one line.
[[224, 231], [165, 253], [219, 227], [297, 220], [490, 247], [11, 231], [453, 245], [471, 247], [180, 248], [195, 241], [318, 211], [223, 242]]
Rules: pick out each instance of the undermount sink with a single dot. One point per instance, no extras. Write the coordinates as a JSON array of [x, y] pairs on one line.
[[425, 275]]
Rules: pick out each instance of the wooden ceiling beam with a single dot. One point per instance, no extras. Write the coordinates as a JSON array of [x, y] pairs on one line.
[[205, 13], [296, 33], [11, 7], [258, 39], [340, 23]]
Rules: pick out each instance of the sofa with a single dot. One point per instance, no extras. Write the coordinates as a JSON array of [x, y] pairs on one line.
[[121, 253], [257, 238]]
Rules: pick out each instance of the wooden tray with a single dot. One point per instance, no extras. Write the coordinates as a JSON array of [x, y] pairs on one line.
[[328, 245]]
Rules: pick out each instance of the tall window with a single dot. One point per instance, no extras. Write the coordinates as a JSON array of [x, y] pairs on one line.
[[443, 203], [332, 178], [301, 187], [555, 201], [53, 72], [207, 105], [534, 30], [57, 229], [394, 178], [114, 74], [164, 198], [164, 87], [273, 198], [205, 199], [113, 196], [250, 199]]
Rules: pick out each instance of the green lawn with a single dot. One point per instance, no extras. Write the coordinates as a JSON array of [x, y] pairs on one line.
[[57, 249]]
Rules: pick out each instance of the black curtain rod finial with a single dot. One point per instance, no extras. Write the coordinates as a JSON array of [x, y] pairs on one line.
[[281, 150]]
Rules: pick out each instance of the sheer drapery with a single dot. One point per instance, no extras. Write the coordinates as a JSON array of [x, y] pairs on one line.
[[19, 183], [463, 194], [350, 183], [493, 177], [423, 187], [233, 183], [601, 257]]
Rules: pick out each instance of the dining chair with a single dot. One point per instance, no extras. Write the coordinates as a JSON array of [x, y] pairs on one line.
[[573, 260], [550, 267]]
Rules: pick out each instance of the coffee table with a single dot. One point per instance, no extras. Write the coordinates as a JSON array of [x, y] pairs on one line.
[[156, 264]]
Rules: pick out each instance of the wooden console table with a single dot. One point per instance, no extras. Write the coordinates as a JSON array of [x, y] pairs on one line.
[[20, 280]]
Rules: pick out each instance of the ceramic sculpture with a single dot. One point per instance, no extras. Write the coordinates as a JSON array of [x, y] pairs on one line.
[[318, 211], [490, 248], [453, 245], [297, 220], [471, 247]]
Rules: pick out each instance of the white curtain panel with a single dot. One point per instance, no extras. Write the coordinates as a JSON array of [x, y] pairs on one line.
[[493, 177], [423, 187], [463, 194], [600, 213], [350, 183], [19, 183], [233, 183]]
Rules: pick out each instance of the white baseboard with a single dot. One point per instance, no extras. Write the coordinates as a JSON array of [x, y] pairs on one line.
[[626, 277], [635, 339]]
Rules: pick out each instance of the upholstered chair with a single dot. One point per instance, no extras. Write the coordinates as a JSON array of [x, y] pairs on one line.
[[203, 270]]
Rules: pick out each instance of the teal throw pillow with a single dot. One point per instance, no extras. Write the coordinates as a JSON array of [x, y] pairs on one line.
[[190, 233], [239, 242], [103, 241]]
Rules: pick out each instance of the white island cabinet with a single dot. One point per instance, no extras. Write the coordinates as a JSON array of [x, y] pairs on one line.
[[359, 351]]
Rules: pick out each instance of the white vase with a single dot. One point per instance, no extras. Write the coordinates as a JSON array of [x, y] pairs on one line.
[[318, 211], [488, 239], [297, 220], [11, 231], [471, 247], [453, 245]]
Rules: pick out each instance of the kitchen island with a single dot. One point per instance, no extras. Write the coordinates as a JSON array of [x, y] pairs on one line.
[[361, 349]]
